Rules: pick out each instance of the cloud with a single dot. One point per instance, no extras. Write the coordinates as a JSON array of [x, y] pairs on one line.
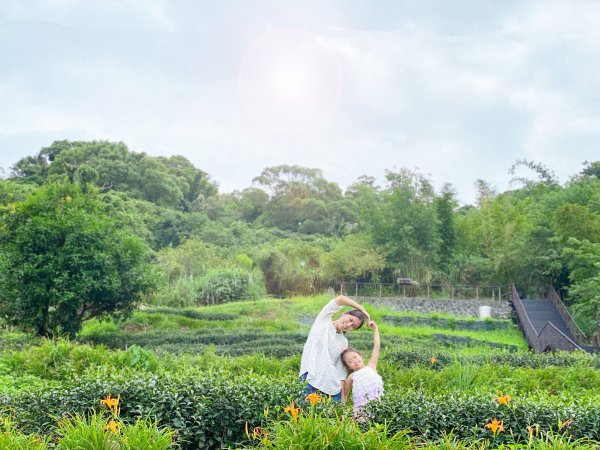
[[459, 93]]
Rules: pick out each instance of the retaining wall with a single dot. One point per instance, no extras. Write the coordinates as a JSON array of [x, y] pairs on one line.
[[462, 308]]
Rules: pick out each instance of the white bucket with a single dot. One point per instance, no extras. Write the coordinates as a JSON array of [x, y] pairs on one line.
[[485, 312]]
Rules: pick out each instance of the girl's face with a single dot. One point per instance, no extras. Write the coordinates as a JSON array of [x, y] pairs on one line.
[[353, 360]]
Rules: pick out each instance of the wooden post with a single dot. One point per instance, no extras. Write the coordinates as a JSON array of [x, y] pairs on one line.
[[477, 293], [452, 293], [427, 292], [380, 288], [404, 291], [356, 294], [499, 294]]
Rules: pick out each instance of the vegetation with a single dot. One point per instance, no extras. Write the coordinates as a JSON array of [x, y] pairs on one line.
[[175, 315], [294, 232], [193, 393]]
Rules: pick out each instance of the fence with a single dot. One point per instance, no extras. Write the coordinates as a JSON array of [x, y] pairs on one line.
[[549, 338], [427, 291], [579, 335]]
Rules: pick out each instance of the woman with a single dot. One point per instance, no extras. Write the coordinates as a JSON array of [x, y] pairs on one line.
[[321, 366]]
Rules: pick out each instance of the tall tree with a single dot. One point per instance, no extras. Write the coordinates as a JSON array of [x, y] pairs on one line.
[[64, 261]]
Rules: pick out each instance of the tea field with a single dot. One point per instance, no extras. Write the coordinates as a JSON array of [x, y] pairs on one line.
[[225, 376]]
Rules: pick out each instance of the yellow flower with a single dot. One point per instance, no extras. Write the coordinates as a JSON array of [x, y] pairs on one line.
[[495, 426], [112, 403], [313, 398], [293, 411], [113, 426], [504, 399], [433, 360]]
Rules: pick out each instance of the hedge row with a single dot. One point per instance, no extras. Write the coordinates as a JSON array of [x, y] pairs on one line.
[[206, 411], [191, 313], [420, 355], [466, 415], [253, 340], [211, 409], [452, 324]]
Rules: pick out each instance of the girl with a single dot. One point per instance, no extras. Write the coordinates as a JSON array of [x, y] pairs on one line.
[[321, 366], [364, 381]]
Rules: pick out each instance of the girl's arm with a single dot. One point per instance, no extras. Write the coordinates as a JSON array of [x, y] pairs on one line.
[[342, 300], [376, 345], [346, 388]]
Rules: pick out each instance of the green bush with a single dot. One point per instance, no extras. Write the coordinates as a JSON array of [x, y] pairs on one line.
[[465, 415], [208, 410], [229, 284]]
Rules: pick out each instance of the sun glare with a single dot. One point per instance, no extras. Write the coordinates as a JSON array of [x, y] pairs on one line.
[[289, 81]]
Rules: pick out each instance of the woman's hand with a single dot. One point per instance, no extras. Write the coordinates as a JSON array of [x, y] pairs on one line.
[[372, 325]]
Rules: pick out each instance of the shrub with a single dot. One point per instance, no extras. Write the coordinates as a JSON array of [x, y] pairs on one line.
[[225, 285]]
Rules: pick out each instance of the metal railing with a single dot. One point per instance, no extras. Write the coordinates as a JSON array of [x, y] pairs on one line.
[[549, 338], [426, 291], [579, 335]]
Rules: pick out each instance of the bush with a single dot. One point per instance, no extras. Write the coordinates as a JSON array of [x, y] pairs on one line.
[[225, 285], [206, 411]]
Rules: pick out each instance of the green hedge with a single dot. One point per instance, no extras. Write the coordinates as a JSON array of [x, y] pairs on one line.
[[210, 410], [466, 414], [207, 411], [451, 323]]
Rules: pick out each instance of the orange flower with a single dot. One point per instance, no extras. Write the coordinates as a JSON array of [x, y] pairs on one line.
[[113, 426], [495, 426], [293, 411], [504, 399], [313, 398], [112, 403], [433, 360]]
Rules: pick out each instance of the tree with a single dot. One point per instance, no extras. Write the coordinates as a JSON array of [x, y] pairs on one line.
[[444, 208], [64, 261], [171, 182]]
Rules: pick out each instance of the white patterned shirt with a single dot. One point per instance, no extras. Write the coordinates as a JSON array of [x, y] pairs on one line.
[[366, 385], [321, 359]]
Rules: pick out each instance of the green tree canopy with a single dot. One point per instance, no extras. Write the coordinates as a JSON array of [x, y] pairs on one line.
[[171, 182], [64, 261]]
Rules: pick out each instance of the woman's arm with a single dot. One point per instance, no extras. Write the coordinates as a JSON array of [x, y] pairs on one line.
[[376, 345], [342, 300]]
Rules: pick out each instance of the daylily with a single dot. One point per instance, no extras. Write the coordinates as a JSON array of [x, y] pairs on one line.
[[112, 403], [313, 398], [504, 399], [113, 426], [495, 426], [293, 411], [433, 360]]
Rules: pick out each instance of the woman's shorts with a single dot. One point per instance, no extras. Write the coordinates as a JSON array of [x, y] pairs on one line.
[[309, 389]]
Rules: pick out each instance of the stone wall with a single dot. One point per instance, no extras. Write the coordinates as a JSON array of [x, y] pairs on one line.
[[461, 308]]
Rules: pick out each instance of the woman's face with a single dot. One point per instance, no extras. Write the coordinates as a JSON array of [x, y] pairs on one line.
[[348, 322]]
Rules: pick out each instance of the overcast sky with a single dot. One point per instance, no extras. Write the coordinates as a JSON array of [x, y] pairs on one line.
[[458, 90]]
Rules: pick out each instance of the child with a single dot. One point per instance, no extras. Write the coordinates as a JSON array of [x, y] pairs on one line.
[[364, 381]]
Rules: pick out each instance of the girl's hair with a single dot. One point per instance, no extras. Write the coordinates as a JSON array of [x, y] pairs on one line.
[[349, 350], [358, 314]]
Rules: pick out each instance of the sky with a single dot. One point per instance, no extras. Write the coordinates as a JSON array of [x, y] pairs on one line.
[[455, 90]]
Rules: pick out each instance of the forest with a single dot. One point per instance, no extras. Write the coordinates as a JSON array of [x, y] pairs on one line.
[[93, 228]]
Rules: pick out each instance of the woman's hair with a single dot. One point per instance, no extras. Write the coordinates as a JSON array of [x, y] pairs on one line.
[[349, 350], [358, 314]]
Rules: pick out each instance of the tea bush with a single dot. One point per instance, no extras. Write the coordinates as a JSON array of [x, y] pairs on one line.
[[466, 414], [207, 410]]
